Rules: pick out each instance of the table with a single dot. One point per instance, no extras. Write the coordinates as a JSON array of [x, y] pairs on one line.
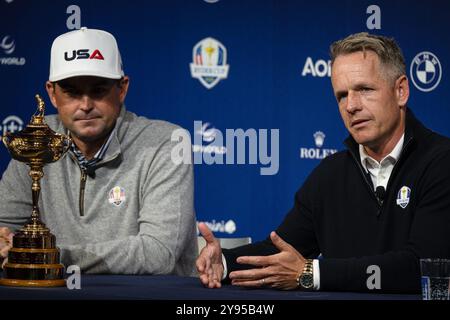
[[131, 287]]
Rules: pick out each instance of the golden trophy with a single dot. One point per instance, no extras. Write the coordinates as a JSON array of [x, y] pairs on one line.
[[34, 259]]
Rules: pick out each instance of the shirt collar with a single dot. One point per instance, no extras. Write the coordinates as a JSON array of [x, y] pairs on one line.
[[394, 155], [84, 163]]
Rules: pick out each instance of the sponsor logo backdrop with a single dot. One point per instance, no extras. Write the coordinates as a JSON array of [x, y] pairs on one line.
[[232, 64]]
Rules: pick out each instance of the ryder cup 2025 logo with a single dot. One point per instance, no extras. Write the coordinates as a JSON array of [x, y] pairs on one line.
[[426, 71], [116, 196], [403, 196], [209, 62]]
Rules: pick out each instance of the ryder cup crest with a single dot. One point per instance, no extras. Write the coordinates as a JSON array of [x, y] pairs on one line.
[[426, 71], [403, 196], [209, 62], [116, 196]]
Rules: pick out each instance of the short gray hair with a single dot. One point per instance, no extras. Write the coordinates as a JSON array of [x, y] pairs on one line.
[[385, 48]]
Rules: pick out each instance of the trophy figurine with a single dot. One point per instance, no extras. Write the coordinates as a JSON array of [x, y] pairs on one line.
[[34, 259]]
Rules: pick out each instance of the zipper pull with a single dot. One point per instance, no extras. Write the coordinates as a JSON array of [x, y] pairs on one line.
[[82, 187]]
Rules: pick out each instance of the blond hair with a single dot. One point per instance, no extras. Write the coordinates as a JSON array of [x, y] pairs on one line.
[[385, 48]]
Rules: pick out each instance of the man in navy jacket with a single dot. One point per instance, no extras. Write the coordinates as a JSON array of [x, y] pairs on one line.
[[375, 208]]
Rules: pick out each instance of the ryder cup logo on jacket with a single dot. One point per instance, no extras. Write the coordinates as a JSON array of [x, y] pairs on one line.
[[403, 196], [209, 62], [426, 71], [116, 196]]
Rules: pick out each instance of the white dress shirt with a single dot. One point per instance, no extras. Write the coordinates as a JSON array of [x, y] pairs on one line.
[[381, 171]]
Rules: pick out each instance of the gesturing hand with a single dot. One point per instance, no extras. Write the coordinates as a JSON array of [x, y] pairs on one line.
[[209, 262], [278, 271]]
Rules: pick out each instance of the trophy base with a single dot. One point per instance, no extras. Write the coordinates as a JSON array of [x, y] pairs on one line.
[[33, 275], [33, 260], [33, 283]]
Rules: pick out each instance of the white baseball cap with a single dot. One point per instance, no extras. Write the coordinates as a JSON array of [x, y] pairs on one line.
[[85, 52]]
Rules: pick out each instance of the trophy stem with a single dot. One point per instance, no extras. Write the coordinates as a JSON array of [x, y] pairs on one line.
[[36, 174]]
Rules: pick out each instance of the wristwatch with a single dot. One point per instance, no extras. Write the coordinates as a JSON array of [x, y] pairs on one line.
[[305, 279]]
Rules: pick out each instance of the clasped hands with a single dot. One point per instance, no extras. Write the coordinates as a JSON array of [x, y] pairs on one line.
[[279, 271]]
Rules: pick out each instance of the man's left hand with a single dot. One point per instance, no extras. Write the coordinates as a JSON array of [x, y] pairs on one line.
[[279, 271]]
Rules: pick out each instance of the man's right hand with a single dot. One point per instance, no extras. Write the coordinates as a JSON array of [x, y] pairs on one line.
[[209, 262], [5, 243]]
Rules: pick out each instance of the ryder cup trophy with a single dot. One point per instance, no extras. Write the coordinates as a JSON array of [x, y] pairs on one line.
[[33, 260]]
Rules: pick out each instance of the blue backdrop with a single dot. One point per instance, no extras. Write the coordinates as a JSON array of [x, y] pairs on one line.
[[250, 64]]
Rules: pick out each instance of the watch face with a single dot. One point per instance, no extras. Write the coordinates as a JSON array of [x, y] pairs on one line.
[[307, 281]]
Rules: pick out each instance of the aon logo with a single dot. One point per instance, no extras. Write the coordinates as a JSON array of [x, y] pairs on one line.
[[319, 68]]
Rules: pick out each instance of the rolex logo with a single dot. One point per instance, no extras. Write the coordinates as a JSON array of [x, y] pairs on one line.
[[319, 138], [317, 152]]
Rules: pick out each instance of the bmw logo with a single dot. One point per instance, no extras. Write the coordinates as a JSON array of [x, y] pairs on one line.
[[426, 71]]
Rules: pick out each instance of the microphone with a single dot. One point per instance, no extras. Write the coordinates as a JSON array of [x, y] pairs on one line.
[[380, 192]]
